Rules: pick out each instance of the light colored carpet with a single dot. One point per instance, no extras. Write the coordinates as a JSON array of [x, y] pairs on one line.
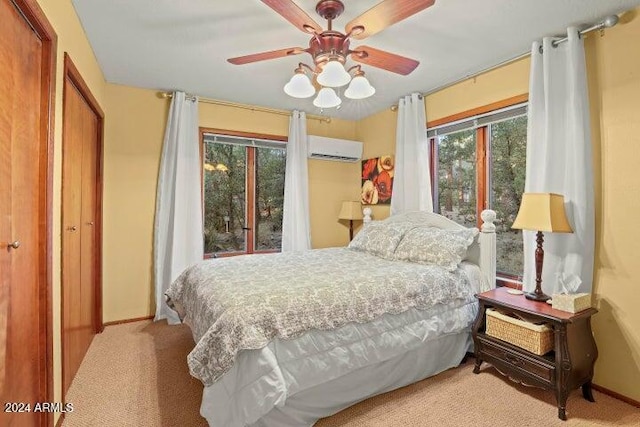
[[136, 375]]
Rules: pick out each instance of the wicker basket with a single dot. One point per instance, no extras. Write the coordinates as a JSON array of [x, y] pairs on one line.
[[537, 339]]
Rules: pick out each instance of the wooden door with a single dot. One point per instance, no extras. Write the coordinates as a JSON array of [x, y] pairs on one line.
[[81, 201], [88, 213], [71, 264], [25, 100]]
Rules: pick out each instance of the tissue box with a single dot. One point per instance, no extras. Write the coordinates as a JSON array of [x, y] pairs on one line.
[[572, 303]]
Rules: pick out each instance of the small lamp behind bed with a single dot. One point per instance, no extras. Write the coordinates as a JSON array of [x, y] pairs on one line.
[[541, 212], [351, 211]]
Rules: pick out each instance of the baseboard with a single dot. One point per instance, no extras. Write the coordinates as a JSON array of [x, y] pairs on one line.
[[119, 322], [60, 420], [615, 395]]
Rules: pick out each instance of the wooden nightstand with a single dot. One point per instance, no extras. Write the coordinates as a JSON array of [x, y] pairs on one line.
[[568, 366]]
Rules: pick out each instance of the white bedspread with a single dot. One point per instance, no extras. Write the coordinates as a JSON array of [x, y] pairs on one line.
[[243, 303], [265, 378]]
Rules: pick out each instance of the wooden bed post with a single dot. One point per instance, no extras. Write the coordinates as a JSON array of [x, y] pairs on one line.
[[487, 240]]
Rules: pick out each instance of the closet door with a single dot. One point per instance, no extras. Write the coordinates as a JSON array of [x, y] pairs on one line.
[[87, 228], [25, 98], [72, 157], [81, 201]]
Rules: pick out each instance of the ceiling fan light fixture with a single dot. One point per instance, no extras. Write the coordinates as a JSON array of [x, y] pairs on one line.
[[329, 48], [299, 86], [327, 98], [333, 74], [359, 88]]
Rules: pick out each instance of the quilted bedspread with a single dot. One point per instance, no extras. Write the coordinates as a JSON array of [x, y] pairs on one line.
[[243, 302]]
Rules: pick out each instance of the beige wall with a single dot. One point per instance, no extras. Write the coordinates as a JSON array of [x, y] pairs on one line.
[[133, 140], [614, 89], [134, 134], [502, 83], [71, 39], [379, 135]]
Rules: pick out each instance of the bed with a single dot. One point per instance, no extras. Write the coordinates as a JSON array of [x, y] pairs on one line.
[[286, 339]]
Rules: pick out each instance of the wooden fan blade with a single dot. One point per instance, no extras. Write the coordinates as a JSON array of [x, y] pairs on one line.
[[292, 13], [385, 60], [263, 56], [385, 14]]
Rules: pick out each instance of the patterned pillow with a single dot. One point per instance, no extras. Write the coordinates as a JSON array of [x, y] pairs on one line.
[[379, 238], [431, 245], [413, 217]]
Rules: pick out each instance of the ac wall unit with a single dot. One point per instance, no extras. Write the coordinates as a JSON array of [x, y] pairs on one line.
[[340, 150]]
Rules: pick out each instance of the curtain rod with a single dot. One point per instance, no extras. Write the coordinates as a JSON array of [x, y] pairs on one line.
[[169, 95], [607, 22]]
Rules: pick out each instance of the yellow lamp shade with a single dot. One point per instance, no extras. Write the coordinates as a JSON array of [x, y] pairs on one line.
[[542, 212], [351, 211]]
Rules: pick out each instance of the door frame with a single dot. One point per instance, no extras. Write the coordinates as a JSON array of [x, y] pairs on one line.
[[35, 17], [71, 75]]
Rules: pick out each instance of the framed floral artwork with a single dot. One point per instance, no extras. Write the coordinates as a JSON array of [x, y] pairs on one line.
[[377, 180]]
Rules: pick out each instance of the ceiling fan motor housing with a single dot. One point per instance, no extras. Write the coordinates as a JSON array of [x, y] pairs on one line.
[[329, 45], [330, 9]]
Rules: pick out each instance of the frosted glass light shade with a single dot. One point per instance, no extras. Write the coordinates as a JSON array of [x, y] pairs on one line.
[[327, 98], [299, 86], [333, 75], [359, 88]]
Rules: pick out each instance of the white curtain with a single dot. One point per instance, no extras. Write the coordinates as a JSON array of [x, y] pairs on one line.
[[559, 160], [178, 240], [412, 180], [296, 234]]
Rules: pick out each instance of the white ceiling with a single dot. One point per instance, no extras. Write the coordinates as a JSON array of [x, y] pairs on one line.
[[169, 44]]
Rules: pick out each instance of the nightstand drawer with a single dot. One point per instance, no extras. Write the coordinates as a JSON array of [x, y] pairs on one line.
[[542, 371]]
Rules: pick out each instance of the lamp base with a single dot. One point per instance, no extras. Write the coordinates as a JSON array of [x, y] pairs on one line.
[[537, 297]]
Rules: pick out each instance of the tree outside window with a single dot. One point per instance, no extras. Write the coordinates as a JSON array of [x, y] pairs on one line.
[[480, 163], [457, 177], [508, 155], [243, 194]]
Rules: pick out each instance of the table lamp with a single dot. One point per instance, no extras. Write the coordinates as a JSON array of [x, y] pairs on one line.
[[541, 212], [351, 211]]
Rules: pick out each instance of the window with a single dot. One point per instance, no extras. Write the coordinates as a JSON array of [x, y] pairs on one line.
[[456, 183], [243, 193], [479, 163], [507, 154]]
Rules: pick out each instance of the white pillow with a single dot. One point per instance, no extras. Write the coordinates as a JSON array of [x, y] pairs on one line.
[[379, 238], [431, 245]]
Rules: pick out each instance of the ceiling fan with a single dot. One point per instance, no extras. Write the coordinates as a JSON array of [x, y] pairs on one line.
[[330, 48]]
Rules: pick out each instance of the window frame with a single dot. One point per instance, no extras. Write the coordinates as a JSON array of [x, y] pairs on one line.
[[250, 186], [482, 163]]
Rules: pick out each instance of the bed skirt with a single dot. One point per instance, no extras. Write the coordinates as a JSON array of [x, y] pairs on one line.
[[307, 407], [294, 383]]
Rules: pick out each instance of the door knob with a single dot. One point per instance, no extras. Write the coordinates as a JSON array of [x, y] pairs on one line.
[[72, 228], [90, 223], [14, 245]]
